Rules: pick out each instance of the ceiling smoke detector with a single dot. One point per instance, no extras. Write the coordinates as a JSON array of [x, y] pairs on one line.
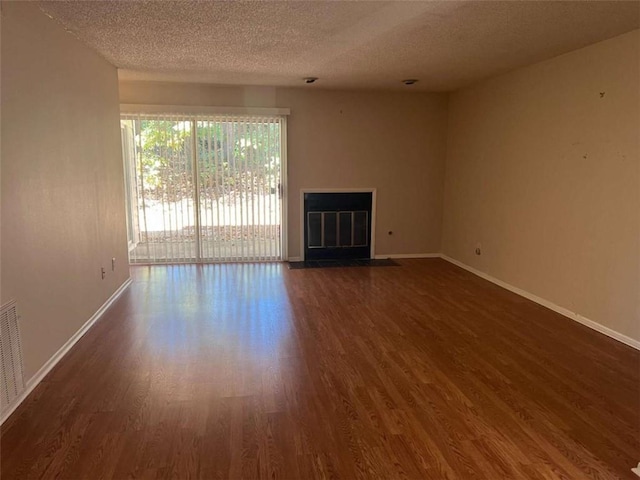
[[409, 81], [310, 79]]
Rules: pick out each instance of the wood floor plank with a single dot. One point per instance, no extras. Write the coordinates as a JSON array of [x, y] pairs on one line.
[[421, 371]]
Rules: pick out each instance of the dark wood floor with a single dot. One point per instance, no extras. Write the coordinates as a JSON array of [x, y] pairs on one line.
[[255, 371]]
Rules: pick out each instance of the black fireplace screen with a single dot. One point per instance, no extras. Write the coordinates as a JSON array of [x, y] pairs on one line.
[[337, 229]]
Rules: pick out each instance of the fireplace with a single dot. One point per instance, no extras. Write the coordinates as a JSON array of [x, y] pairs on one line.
[[337, 225]]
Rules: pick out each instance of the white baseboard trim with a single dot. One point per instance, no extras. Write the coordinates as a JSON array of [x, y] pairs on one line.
[[550, 305], [53, 361], [294, 259], [406, 255]]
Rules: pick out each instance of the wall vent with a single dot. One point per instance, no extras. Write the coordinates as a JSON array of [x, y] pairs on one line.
[[12, 375]]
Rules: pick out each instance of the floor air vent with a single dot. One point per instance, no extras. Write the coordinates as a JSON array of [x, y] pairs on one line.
[[11, 378]]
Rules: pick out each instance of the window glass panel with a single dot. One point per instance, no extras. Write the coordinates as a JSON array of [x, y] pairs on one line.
[[360, 229], [330, 229], [314, 229], [345, 229]]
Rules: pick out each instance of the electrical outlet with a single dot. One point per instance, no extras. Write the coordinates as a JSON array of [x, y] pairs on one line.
[[103, 272], [113, 264]]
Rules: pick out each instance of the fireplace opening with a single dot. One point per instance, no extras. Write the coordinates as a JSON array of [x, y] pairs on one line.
[[337, 225]]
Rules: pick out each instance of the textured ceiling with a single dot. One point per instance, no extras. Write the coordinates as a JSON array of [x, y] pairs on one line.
[[444, 44]]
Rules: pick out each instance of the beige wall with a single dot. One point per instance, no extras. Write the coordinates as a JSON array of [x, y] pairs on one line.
[[62, 185], [543, 171], [394, 142]]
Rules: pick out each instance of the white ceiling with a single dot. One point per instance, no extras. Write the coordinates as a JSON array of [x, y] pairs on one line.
[[356, 44]]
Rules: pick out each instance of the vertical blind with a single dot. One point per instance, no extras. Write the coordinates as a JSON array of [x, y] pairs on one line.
[[204, 188]]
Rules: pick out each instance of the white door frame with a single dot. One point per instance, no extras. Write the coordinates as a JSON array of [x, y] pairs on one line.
[[284, 192]]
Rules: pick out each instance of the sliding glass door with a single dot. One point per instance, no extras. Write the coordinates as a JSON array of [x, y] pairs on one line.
[[204, 189]]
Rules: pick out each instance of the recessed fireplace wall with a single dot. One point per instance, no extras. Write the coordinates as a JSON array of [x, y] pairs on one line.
[[337, 225]]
